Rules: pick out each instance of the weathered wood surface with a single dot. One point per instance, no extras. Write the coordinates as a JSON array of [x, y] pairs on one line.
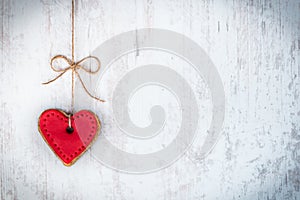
[[255, 45]]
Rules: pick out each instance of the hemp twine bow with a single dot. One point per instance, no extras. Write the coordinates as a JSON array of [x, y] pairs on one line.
[[74, 66]]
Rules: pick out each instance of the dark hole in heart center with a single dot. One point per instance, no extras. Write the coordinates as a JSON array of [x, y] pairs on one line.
[[69, 130]]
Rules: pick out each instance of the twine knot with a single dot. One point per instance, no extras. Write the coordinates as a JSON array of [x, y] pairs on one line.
[[75, 66]]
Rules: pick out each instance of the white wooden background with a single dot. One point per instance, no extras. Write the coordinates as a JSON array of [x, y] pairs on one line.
[[255, 45]]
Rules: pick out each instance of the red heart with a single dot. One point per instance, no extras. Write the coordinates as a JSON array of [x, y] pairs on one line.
[[69, 147]]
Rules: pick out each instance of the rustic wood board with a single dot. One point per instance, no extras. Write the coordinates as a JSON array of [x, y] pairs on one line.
[[255, 46]]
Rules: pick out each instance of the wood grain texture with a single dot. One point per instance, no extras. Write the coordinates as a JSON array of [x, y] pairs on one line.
[[256, 48]]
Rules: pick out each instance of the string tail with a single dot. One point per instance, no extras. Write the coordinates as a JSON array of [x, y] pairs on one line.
[[45, 83], [86, 90]]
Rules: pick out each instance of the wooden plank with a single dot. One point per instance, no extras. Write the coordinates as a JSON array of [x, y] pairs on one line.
[[255, 46]]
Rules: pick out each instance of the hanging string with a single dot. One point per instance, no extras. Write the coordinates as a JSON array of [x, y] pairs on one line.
[[73, 60], [73, 22], [74, 66]]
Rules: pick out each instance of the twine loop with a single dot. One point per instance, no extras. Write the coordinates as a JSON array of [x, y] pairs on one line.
[[74, 67]]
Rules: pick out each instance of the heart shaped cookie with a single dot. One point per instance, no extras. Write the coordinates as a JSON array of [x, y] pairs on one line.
[[69, 136]]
